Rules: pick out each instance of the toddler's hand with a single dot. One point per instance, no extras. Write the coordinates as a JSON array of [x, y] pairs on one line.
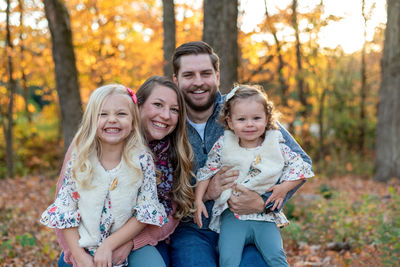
[[200, 209], [279, 192]]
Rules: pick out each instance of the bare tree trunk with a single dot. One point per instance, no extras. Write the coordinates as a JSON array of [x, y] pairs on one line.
[[22, 58], [363, 89], [220, 31], [65, 68], [11, 86], [321, 113], [300, 71], [388, 129], [169, 35], [282, 81]]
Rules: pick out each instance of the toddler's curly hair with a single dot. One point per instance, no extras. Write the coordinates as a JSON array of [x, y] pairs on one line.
[[256, 92]]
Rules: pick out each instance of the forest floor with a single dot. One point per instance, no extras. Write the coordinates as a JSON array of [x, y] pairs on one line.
[[24, 242]]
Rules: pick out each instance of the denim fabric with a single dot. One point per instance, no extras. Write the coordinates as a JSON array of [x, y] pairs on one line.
[[61, 262], [235, 234], [165, 252], [146, 256], [194, 247]]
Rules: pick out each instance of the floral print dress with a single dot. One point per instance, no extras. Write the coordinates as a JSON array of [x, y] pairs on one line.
[[64, 212], [294, 169]]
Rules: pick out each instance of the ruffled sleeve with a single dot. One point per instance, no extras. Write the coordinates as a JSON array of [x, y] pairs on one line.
[[213, 163], [295, 167], [148, 209], [64, 213]]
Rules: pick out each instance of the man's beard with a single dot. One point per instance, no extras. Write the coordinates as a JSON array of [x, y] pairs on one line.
[[207, 105]]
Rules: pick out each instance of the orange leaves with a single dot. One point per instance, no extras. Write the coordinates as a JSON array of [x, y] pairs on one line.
[[349, 166], [24, 241]]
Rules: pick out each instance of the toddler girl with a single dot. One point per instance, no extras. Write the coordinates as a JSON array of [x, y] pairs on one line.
[[109, 190], [252, 144]]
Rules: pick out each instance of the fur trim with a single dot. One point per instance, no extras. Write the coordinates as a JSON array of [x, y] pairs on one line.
[[92, 199]]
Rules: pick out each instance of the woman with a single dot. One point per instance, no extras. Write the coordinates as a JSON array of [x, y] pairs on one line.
[[162, 115]]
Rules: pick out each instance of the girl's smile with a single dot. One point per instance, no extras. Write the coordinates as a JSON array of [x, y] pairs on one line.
[[115, 120]]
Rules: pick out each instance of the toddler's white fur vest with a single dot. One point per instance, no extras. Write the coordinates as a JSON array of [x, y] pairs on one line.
[[92, 200], [267, 162]]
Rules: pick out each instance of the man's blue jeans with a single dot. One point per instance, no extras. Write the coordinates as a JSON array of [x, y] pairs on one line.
[[194, 247]]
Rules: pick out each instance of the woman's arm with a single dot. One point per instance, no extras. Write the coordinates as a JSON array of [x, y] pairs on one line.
[[120, 254]]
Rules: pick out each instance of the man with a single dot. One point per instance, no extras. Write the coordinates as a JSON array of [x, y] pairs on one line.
[[196, 72]]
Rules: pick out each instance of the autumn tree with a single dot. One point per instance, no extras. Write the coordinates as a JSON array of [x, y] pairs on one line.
[[65, 68], [388, 129], [301, 87], [279, 53], [11, 86], [221, 32], [169, 35], [24, 81]]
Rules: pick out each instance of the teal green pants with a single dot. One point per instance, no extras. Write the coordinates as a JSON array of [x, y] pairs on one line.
[[146, 256], [235, 234]]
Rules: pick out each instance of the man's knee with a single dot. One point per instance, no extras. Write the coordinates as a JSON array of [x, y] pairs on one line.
[[193, 247]]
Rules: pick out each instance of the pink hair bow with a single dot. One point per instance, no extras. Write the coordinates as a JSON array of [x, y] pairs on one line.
[[133, 95]]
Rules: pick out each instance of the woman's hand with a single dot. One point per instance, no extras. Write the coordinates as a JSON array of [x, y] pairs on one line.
[[200, 209], [120, 254], [103, 256]]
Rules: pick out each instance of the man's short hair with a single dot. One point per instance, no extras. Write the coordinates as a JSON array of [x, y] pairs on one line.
[[194, 48]]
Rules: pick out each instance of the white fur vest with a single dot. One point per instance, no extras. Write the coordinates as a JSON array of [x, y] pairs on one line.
[[92, 200], [259, 168]]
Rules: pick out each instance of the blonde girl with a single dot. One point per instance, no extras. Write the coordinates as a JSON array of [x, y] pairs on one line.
[[255, 147], [109, 192]]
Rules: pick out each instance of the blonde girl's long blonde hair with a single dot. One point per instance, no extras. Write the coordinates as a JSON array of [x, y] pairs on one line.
[[86, 142], [244, 91], [180, 151]]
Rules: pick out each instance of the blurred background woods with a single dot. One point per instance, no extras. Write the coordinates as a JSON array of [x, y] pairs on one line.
[[325, 85], [320, 62]]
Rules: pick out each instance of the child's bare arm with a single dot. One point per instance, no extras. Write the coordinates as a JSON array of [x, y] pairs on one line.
[[201, 189], [81, 257], [128, 231]]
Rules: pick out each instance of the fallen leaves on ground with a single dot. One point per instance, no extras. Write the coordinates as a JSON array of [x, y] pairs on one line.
[[24, 242]]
